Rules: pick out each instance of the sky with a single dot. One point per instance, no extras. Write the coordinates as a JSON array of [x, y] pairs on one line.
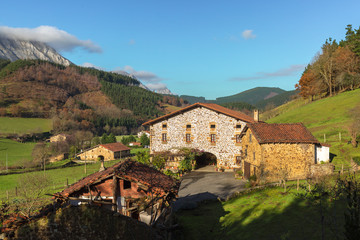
[[200, 48]]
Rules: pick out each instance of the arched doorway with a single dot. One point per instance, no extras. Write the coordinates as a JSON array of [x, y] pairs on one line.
[[205, 159], [100, 158]]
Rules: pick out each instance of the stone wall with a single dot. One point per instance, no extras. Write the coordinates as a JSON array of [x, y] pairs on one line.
[[276, 158], [94, 153], [225, 148], [322, 169]]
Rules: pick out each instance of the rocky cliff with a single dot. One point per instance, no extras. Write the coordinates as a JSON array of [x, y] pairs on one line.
[[14, 49]]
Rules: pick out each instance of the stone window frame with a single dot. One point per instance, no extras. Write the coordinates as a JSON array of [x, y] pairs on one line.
[[212, 124], [237, 138], [188, 127], [164, 125], [238, 127], [213, 138], [164, 137], [188, 137]]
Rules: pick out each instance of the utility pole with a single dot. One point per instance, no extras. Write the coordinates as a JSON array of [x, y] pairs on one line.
[[7, 170]]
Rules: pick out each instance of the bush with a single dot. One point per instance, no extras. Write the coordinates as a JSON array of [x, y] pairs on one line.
[[185, 164], [252, 178], [158, 162], [357, 160]]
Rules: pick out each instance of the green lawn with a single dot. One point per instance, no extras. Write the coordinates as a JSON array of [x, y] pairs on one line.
[[327, 116], [57, 178], [24, 125], [17, 153], [263, 214]]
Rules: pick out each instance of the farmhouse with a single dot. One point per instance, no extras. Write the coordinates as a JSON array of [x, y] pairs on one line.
[[278, 149], [106, 152], [128, 187], [59, 138], [204, 126]]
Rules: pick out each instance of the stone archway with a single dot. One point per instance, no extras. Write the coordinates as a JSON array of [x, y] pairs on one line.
[[205, 159], [100, 158]]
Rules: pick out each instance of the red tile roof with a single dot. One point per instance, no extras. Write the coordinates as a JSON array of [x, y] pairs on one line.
[[211, 106], [115, 147], [129, 170], [281, 133]]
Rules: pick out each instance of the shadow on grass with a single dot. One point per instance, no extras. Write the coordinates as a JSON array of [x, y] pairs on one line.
[[261, 216]]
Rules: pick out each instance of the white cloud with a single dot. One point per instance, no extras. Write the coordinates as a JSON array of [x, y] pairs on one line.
[[284, 72], [54, 37], [248, 34], [90, 65], [150, 80]]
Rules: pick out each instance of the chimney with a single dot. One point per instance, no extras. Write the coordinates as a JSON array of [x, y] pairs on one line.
[[256, 115], [102, 166]]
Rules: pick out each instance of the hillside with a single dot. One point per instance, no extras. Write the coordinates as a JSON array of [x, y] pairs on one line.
[[251, 96], [276, 100], [327, 116], [78, 98]]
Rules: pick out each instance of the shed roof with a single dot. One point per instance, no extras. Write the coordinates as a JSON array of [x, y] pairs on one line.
[[281, 133], [212, 106], [129, 170], [115, 147]]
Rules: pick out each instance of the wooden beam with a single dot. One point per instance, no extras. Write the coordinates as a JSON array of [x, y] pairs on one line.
[[114, 192]]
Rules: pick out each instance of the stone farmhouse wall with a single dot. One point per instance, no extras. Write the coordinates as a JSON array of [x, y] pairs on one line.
[[94, 153], [225, 147], [295, 158]]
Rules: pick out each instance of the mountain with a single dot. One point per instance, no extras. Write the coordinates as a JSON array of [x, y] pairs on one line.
[[193, 99], [15, 49], [277, 100], [251, 96]]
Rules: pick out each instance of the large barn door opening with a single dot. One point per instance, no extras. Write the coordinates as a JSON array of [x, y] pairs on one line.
[[205, 159], [246, 170]]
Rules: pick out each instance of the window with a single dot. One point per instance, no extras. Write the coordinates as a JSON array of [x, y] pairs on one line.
[[213, 138], [238, 138], [212, 126], [250, 137], [238, 160], [188, 137], [246, 152], [188, 126], [164, 138], [164, 126], [127, 184], [238, 126], [254, 155]]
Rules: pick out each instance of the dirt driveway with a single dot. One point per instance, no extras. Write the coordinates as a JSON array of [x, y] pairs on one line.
[[205, 184]]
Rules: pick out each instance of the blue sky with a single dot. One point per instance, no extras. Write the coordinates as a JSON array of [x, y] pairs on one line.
[[201, 48]]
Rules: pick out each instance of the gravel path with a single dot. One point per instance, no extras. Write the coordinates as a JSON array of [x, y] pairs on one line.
[[206, 184]]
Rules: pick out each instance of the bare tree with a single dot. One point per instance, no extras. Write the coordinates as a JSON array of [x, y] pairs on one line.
[[31, 190], [41, 154], [354, 126]]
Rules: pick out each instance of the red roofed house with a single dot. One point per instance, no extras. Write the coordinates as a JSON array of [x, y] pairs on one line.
[[128, 187], [273, 149], [106, 152], [204, 126]]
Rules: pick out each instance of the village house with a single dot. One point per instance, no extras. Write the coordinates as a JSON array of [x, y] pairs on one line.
[[106, 152], [59, 138], [128, 187], [147, 133], [207, 127], [278, 151]]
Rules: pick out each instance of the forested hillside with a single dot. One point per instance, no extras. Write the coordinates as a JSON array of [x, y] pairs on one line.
[[77, 98]]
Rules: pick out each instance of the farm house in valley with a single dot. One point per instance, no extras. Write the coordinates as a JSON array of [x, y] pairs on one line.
[[106, 152]]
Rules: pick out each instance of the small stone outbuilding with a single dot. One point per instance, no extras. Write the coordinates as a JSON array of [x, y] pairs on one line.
[[106, 152], [273, 151]]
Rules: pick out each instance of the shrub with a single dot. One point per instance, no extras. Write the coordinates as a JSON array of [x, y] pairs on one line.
[[357, 160], [185, 164], [158, 162]]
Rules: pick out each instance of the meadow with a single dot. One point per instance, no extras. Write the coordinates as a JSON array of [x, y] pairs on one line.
[[24, 125], [326, 118], [260, 214], [16, 153]]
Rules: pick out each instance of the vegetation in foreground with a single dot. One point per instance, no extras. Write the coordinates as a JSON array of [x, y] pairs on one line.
[[267, 214]]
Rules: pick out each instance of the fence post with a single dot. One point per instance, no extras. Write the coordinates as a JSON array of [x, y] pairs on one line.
[[297, 187], [324, 138], [7, 195], [340, 136]]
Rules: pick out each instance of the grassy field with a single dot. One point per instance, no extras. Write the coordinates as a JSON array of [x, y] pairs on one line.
[[24, 125], [263, 214], [57, 178], [17, 153], [328, 116]]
